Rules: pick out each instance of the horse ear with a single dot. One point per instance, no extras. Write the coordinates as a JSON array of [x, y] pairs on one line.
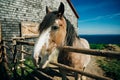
[[61, 9], [47, 10]]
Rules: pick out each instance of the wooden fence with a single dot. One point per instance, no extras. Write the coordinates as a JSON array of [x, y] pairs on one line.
[[20, 41]]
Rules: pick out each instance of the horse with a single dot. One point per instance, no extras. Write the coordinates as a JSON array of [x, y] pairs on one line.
[[57, 31]]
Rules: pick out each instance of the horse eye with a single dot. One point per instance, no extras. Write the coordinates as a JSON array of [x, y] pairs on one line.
[[55, 27]]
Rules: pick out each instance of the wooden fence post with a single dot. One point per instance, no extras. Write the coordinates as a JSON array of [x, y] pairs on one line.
[[22, 66], [0, 43], [14, 59], [4, 70]]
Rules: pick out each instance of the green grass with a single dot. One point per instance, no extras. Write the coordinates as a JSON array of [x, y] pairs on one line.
[[110, 66], [97, 46], [30, 63]]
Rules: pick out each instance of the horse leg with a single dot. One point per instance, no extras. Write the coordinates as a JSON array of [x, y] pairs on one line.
[[76, 75], [63, 74], [64, 77], [83, 77], [79, 77]]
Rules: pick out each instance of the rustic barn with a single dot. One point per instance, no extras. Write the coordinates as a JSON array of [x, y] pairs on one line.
[[13, 12]]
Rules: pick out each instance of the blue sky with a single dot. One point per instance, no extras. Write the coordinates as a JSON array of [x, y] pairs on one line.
[[98, 16]]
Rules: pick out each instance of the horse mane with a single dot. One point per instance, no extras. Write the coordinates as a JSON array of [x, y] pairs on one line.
[[71, 33]]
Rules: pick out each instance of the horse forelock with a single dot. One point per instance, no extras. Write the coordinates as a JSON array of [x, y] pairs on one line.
[[48, 20]]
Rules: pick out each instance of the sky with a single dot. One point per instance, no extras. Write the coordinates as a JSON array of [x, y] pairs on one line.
[[98, 16]]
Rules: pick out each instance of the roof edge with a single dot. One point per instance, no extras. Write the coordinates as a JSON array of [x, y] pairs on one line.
[[71, 5]]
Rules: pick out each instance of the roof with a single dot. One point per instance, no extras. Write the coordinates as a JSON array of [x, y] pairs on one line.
[[73, 9]]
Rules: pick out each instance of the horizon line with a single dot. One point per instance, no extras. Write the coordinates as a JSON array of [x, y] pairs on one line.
[[98, 34]]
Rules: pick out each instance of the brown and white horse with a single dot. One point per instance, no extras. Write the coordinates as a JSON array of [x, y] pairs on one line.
[[57, 31]]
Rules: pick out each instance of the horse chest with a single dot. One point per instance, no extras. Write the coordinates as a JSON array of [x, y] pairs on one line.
[[70, 59]]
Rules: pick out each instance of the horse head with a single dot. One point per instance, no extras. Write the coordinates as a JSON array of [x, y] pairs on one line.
[[52, 35]]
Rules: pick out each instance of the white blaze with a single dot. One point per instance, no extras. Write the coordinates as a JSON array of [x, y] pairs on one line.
[[42, 40], [57, 22]]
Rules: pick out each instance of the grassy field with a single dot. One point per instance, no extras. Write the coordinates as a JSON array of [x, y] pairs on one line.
[[110, 66]]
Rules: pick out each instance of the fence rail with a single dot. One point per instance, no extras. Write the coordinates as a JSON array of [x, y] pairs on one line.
[[81, 72], [103, 53], [110, 54]]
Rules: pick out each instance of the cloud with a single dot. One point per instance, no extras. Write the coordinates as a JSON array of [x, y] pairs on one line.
[[115, 15], [101, 17]]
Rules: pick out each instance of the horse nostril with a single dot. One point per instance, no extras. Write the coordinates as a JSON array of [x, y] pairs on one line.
[[39, 60]]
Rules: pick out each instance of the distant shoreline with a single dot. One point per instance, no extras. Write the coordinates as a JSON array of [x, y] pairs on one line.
[[99, 34], [102, 38]]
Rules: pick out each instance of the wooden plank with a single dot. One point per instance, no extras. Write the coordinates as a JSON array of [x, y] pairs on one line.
[[29, 29], [109, 54], [24, 52], [103, 53], [81, 72], [25, 43]]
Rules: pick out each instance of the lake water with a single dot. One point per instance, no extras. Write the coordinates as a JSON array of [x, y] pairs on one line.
[[102, 39]]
